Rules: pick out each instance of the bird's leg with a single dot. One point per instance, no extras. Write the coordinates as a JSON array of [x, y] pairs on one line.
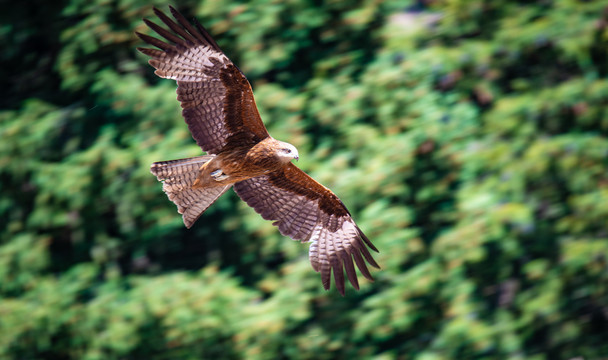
[[201, 180], [210, 174], [218, 175]]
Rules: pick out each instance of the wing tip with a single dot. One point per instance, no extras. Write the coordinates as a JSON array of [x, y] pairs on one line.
[[367, 240], [158, 11], [188, 224], [147, 22]]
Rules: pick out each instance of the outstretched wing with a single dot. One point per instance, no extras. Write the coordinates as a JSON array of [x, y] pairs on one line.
[[216, 97], [305, 210]]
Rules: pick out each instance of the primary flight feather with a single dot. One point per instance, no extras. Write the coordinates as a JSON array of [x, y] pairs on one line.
[[221, 114]]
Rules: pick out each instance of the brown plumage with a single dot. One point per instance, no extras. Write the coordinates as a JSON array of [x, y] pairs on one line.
[[221, 114]]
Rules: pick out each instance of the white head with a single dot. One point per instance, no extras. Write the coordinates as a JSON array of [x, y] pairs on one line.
[[287, 152]]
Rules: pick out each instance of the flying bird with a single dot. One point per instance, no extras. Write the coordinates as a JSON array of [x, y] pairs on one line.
[[219, 109]]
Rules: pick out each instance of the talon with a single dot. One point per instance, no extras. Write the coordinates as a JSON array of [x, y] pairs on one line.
[[218, 175]]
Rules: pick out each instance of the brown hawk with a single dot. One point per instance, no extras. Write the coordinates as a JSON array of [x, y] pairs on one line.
[[222, 116]]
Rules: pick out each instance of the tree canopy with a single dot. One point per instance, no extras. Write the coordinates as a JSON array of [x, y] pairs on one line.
[[467, 137]]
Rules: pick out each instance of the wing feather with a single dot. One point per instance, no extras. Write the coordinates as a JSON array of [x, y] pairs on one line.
[[175, 27], [165, 33], [201, 33], [215, 96], [307, 211]]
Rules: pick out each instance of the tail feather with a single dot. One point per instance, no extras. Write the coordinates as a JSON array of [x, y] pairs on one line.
[[178, 176]]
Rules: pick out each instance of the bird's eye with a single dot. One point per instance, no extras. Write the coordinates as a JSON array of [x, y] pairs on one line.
[[288, 151]]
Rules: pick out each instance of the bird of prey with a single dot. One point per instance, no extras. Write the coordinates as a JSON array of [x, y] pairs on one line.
[[221, 114]]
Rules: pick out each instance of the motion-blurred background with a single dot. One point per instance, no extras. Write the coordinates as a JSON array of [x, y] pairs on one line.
[[467, 137]]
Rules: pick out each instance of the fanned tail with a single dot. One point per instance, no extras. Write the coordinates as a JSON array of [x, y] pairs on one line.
[[178, 176]]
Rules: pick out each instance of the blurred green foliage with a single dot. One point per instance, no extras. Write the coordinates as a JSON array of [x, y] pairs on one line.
[[468, 138]]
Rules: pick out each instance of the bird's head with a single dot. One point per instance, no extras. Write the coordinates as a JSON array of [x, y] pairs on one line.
[[287, 152]]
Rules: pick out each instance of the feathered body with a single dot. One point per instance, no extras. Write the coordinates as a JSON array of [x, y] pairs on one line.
[[245, 162], [220, 111]]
